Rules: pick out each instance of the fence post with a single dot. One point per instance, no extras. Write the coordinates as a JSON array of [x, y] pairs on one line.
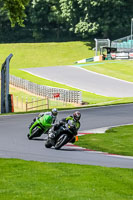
[[37, 101], [32, 101], [47, 100], [26, 103], [26, 106], [22, 102], [17, 100]]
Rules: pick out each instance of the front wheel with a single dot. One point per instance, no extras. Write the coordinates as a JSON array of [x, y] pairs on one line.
[[48, 144], [62, 140], [35, 133], [28, 136]]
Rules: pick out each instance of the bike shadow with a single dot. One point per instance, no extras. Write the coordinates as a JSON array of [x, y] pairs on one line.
[[39, 139], [68, 149]]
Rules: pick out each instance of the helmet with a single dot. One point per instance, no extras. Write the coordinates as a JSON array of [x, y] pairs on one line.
[[76, 116], [54, 111]]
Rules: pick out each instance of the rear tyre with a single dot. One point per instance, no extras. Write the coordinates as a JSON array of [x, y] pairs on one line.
[[62, 140]]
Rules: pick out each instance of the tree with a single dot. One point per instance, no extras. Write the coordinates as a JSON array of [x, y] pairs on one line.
[[77, 14], [15, 10], [46, 19], [104, 18], [77, 19], [113, 17]]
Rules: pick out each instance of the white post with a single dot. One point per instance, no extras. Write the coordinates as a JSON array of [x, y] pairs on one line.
[[17, 100], [108, 42], [26, 103], [96, 47], [37, 102], [32, 103], [22, 102]]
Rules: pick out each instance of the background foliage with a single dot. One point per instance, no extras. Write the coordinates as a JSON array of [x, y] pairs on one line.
[[63, 20]]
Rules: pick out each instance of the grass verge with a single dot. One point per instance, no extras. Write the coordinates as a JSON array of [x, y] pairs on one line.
[[118, 140], [119, 69], [26, 55], [29, 180], [20, 97]]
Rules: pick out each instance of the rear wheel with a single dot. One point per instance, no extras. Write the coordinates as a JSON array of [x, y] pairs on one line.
[[62, 140]]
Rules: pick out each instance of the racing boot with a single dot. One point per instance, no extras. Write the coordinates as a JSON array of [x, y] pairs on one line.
[[73, 140]]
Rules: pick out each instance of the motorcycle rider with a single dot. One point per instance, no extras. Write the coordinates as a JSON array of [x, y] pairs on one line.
[[53, 113], [75, 118]]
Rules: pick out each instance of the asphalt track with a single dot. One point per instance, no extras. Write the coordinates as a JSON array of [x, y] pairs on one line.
[[14, 142], [83, 79]]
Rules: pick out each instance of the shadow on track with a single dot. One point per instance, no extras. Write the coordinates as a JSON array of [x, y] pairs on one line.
[[38, 139], [69, 149]]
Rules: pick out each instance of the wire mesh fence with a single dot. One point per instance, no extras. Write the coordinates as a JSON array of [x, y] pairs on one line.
[[47, 91], [60, 94], [39, 93]]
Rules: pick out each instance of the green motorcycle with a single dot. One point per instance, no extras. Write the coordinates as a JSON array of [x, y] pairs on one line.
[[40, 126]]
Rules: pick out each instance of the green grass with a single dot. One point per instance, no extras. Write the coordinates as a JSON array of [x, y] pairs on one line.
[[42, 55], [29, 180], [27, 55], [118, 69], [20, 97], [118, 140]]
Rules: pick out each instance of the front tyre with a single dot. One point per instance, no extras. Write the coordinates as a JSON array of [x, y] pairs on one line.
[[48, 144], [62, 140], [35, 133], [28, 136]]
